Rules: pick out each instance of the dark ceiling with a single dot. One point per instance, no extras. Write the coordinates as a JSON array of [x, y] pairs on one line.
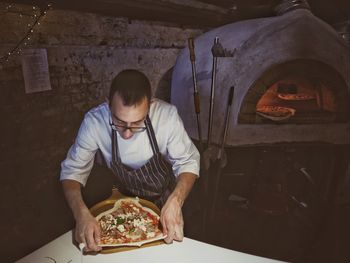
[[196, 13]]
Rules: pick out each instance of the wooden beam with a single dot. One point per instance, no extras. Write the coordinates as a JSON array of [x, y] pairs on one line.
[[195, 13], [165, 11]]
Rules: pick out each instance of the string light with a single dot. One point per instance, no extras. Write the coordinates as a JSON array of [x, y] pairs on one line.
[[17, 48]]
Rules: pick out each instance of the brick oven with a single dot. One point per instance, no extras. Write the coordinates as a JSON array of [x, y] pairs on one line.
[[288, 139]]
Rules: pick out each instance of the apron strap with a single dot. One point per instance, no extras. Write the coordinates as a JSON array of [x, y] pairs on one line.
[[151, 135], [115, 153]]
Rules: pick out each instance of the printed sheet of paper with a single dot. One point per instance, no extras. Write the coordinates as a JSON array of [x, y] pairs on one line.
[[35, 70]]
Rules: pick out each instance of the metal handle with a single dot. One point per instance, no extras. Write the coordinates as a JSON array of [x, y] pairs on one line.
[[191, 48], [212, 91], [230, 96], [227, 120], [197, 103], [196, 97]]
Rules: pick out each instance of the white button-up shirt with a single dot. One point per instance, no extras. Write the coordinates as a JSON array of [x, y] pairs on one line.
[[95, 133]]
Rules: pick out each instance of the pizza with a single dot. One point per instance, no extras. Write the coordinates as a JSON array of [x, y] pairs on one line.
[[275, 113], [299, 96], [129, 223]]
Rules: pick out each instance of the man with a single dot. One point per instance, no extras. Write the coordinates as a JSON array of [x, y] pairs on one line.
[[144, 144]]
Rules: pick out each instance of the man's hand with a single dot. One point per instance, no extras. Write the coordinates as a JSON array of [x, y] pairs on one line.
[[87, 231], [171, 214], [172, 220]]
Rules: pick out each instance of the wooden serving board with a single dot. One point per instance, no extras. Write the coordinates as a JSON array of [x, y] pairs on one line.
[[108, 204]]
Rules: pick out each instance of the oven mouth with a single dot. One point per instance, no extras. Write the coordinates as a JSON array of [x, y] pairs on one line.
[[300, 92]]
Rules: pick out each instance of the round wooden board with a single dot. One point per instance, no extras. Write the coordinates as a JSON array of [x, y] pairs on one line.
[[108, 204]]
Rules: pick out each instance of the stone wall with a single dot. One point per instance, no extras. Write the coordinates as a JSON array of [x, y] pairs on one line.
[[85, 51]]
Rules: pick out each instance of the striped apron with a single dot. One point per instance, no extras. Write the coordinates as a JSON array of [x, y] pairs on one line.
[[153, 181]]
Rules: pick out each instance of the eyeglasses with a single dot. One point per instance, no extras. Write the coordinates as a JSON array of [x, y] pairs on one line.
[[123, 128]]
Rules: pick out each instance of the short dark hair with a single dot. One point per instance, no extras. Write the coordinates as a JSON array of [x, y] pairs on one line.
[[132, 86]]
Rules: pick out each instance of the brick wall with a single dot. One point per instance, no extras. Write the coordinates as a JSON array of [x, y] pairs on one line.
[[85, 51]]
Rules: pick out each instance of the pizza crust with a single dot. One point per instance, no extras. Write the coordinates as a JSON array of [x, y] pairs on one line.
[[135, 202]]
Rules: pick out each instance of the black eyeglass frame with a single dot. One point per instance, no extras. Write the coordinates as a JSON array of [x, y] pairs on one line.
[[123, 128]]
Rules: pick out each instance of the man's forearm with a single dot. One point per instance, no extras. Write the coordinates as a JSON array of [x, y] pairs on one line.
[[183, 187], [72, 192]]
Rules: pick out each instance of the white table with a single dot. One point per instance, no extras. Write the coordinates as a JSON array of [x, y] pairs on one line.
[[62, 250]]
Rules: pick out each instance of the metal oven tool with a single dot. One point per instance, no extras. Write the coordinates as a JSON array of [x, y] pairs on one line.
[[221, 163], [196, 96]]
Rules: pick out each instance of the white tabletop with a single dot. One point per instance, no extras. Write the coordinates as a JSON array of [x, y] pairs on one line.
[[62, 250]]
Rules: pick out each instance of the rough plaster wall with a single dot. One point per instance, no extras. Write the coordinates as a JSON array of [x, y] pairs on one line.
[[85, 51]]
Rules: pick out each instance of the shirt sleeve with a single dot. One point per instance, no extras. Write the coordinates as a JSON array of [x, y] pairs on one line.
[[80, 158], [182, 153]]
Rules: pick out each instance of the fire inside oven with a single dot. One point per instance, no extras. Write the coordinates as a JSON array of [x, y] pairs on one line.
[[301, 91], [297, 100]]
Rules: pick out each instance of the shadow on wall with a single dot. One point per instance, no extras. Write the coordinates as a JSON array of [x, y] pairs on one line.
[[37, 214], [163, 90]]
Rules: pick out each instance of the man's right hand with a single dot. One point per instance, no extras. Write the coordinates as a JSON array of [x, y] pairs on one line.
[[87, 231]]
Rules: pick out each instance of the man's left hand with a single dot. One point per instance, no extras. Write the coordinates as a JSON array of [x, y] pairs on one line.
[[172, 220]]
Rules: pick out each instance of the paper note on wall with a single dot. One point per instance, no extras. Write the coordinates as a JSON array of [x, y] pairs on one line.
[[35, 70]]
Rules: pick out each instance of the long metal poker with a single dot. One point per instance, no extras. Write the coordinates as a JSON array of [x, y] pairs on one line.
[[227, 121], [196, 92], [221, 164], [212, 89]]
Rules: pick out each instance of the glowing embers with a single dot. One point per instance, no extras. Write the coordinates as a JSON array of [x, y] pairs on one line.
[[297, 100]]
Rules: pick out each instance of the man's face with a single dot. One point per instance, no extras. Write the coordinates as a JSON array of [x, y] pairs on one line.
[[128, 116]]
